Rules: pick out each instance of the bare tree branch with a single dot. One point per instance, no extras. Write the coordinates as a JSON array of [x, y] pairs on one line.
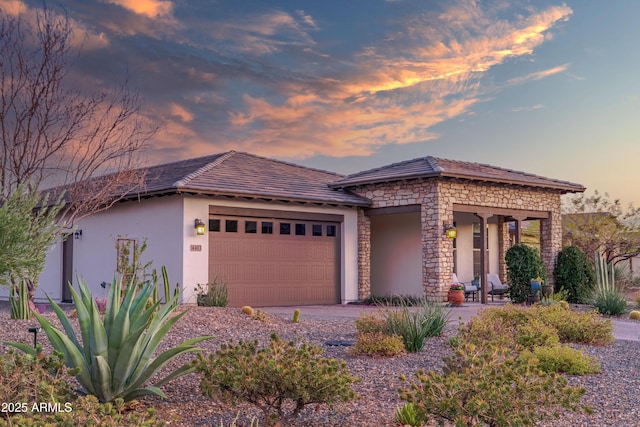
[[54, 135]]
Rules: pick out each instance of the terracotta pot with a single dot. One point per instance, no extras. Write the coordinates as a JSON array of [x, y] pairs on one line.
[[456, 298]]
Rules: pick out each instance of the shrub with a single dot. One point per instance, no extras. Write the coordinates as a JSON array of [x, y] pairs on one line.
[[486, 385], [634, 315], [115, 359], [270, 377], [407, 415], [578, 327], [536, 333], [377, 344], [505, 324], [562, 359], [213, 294], [416, 324], [87, 411], [574, 274], [371, 322], [523, 264], [637, 298], [610, 301], [34, 378]]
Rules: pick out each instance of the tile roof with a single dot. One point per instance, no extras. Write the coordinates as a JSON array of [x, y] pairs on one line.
[[241, 174], [428, 167]]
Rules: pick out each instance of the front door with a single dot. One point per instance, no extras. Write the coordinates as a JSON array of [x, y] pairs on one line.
[[67, 267]]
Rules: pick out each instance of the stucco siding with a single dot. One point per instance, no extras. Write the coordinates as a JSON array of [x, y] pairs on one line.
[[396, 255]]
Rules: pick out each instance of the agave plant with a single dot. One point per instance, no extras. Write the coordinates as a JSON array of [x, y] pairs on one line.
[[115, 358]]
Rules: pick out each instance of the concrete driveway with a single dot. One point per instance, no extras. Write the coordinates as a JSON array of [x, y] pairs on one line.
[[622, 329]]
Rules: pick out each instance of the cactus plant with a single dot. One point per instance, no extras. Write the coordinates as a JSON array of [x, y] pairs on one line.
[[247, 310], [114, 357], [296, 315], [634, 315]]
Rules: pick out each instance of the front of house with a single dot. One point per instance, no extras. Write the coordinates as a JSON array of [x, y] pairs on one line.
[[283, 234]]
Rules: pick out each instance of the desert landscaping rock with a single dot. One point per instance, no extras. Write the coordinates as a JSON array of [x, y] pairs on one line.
[[613, 394]]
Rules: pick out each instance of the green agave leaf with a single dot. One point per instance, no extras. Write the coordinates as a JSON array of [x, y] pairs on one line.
[[64, 320], [83, 320], [72, 355], [164, 358], [152, 339], [128, 358], [101, 375], [117, 336], [21, 346], [113, 305], [98, 337], [148, 391]]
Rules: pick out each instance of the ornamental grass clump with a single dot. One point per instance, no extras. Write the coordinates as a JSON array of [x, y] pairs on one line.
[[415, 324], [281, 376], [115, 355]]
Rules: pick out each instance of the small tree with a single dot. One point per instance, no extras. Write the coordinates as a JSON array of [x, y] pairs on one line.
[[26, 234], [598, 224], [574, 273], [523, 264]]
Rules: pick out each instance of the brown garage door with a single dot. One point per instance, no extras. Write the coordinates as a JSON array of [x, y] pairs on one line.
[[272, 262]]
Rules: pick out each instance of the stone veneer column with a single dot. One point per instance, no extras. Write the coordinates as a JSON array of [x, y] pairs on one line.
[[551, 239], [437, 249], [364, 255], [504, 243]]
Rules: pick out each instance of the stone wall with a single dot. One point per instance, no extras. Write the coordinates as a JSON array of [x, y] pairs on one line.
[[437, 197]]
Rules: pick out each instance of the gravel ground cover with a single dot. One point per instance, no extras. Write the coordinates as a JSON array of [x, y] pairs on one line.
[[613, 394]]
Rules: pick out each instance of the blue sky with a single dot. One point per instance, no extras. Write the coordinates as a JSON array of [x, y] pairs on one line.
[[547, 87]]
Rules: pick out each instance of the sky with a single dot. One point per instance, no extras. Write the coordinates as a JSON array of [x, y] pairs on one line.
[[546, 87]]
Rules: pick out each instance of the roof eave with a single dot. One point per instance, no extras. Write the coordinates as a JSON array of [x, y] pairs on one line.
[[564, 188], [254, 196]]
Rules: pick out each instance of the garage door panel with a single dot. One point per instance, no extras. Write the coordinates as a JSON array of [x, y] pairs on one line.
[[264, 269]]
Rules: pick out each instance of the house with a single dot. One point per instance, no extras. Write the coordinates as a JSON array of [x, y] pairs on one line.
[[283, 234]]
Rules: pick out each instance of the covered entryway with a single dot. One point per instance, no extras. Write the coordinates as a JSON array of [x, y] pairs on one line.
[[273, 258]]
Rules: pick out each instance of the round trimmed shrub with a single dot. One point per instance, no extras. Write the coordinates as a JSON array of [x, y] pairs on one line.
[[523, 264], [574, 273]]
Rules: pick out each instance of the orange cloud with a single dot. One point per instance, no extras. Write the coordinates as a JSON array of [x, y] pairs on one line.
[[539, 75], [150, 8]]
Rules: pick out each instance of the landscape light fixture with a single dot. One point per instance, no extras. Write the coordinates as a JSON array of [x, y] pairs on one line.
[[450, 231], [200, 227]]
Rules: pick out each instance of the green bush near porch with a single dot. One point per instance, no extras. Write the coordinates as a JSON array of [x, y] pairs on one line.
[[523, 264]]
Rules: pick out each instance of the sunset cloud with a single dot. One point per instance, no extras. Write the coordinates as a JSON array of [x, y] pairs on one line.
[[539, 75], [399, 88], [149, 8]]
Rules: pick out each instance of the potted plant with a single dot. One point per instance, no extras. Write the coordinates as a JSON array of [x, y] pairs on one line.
[[456, 294], [536, 284]]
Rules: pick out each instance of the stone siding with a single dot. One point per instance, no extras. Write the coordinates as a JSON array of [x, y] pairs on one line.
[[437, 197]]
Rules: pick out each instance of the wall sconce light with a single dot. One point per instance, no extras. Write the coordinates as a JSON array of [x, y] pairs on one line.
[[450, 231], [200, 227], [77, 234]]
